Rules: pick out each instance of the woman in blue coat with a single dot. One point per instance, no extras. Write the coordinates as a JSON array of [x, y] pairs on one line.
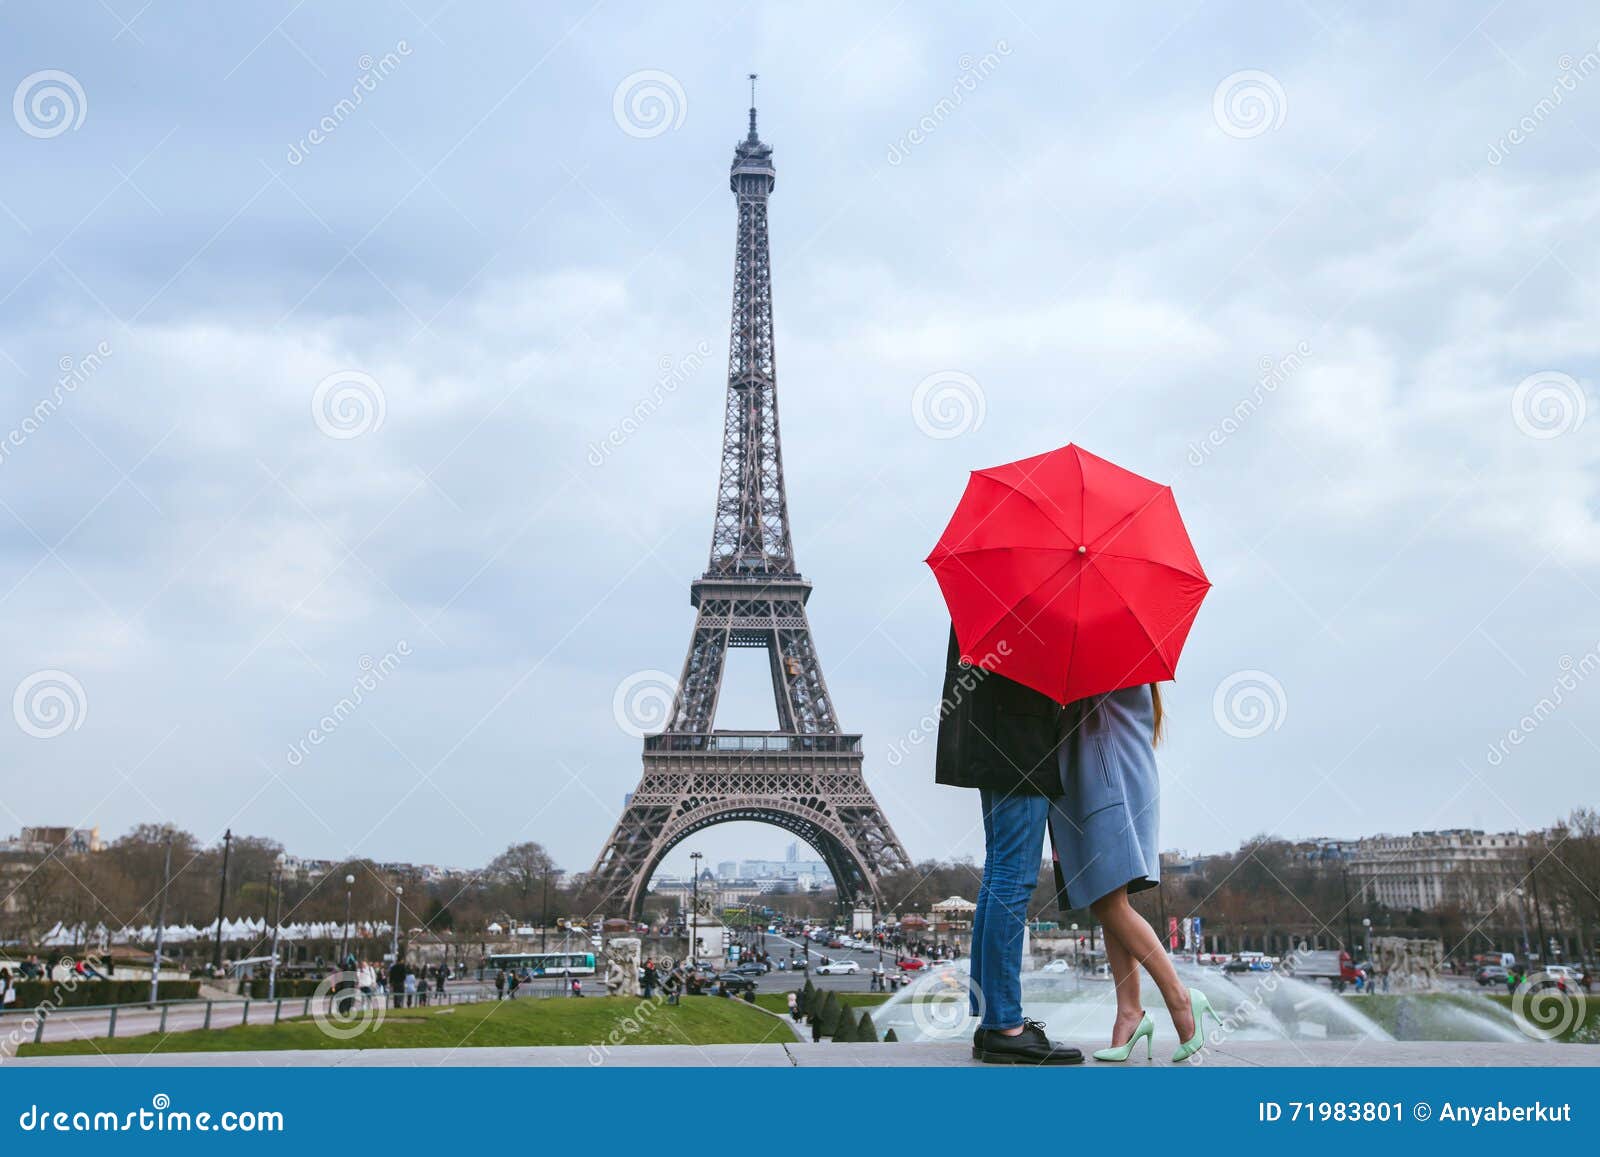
[[1106, 834]]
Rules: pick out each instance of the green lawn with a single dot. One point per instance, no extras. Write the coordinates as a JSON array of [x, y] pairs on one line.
[[700, 1020]]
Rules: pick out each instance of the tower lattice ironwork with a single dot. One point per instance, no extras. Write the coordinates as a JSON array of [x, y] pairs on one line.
[[805, 776]]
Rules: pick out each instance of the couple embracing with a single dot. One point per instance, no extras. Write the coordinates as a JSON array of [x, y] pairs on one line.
[[1071, 585]]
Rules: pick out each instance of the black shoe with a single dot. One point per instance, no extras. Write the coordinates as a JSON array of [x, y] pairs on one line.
[[1029, 1047]]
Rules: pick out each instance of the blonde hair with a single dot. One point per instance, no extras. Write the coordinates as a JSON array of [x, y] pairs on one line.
[[1159, 716]]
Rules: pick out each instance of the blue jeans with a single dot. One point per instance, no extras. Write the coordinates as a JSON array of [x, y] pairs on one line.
[[1013, 837]]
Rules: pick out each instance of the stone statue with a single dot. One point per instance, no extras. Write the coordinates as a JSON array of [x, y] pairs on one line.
[[1408, 964], [623, 957]]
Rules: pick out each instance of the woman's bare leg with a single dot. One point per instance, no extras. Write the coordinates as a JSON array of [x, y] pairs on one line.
[[1121, 921], [1125, 976]]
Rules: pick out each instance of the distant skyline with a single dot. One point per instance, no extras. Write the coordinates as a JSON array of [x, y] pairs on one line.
[[362, 370]]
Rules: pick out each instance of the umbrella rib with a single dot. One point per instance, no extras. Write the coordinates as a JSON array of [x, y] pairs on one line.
[[1153, 562], [962, 552], [1033, 502], [1120, 527], [1011, 610], [1143, 630]]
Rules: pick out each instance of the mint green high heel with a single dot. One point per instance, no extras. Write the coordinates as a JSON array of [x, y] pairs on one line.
[[1201, 1007], [1146, 1029]]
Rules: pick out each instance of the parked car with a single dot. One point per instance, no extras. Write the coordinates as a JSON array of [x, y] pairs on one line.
[[1491, 974], [1056, 966], [838, 967]]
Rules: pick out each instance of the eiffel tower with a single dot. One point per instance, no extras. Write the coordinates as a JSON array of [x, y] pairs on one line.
[[805, 776]]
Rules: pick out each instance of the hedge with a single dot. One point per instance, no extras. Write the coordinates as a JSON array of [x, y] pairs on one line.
[[70, 994], [286, 987]]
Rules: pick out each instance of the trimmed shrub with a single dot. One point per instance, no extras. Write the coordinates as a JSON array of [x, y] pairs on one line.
[[832, 1010], [890, 1039], [846, 1032], [866, 1031]]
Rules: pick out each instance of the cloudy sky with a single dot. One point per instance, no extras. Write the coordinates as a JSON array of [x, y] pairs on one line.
[[354, 304]]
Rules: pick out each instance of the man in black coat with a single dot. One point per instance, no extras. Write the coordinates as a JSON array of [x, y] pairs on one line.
[[1003, 739]]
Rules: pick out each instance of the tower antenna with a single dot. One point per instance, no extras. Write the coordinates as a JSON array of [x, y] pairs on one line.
[[753, 106]]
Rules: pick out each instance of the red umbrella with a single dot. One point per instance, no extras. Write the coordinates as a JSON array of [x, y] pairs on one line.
[[1069, 574]]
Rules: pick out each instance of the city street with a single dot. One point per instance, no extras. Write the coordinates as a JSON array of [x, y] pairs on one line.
[[778, 948]]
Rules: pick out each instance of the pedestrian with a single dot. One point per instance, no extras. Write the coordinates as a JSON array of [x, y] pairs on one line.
[[649, 980], [421, 976], [366, 981], [410, 989], [794, 1006], [577, 986], [439, 983], [8, 989], [397, 982], [1003, 739], [512, 986]]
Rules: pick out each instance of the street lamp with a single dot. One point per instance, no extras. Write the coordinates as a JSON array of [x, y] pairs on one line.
[[161, 921], [344, 947], [277, 920], [694, 908], [394, 933], [222, 900], [544, 907]]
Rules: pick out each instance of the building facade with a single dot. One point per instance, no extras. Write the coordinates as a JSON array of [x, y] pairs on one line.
[[1457, 867]]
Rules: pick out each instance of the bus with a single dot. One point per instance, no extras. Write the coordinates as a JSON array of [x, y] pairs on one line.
[[545, 963]]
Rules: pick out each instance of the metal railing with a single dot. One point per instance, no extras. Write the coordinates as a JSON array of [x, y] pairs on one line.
[[218, 1013], [756, 742]]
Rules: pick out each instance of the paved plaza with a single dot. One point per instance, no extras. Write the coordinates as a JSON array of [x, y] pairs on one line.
[[1254, 1054]]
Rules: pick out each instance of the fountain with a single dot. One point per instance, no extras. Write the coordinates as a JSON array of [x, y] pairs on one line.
[[1255, 1006]]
